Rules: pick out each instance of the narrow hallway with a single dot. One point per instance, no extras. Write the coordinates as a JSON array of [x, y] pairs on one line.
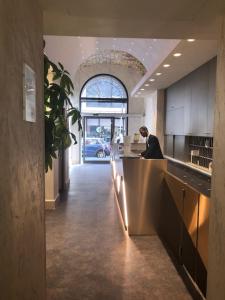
[[90, 257]]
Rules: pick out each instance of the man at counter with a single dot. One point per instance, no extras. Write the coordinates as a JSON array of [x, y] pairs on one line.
[[153, 149]]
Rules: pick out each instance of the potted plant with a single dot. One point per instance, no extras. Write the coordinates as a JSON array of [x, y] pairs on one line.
[[58, 88]]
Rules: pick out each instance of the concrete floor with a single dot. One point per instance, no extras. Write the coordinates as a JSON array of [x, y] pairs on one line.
[[89, 256]]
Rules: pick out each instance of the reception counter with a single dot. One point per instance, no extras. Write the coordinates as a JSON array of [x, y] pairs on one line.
[[138, 187], [152, 200]]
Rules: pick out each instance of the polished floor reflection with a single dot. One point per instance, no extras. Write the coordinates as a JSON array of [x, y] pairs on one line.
[[90, 257]]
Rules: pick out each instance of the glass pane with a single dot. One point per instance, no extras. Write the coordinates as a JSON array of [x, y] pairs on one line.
[[119, 130], [102, 107], [104, 86], [97, 139]]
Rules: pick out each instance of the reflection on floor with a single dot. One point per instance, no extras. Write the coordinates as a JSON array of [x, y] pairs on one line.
[[90, 257]]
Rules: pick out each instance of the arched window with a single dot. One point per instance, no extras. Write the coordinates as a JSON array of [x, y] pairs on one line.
[[104, 94]]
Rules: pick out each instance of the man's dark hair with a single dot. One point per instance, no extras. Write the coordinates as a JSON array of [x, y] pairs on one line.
[[143, 128]]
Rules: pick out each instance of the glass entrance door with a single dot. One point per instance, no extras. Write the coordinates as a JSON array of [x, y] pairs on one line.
[[97, 139], [99, 132]]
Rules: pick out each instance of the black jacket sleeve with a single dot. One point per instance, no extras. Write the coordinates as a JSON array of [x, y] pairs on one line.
[[153, 149]]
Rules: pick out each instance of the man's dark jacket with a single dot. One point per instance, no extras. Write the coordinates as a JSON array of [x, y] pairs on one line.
[[153, 149]]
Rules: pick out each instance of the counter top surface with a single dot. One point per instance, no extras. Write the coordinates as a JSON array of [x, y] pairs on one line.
[[199, 182]]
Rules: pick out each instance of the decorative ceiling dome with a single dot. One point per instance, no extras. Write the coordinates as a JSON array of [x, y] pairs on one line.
[[115, 57]]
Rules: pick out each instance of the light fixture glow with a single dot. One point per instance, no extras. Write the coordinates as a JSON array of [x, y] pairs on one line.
[[190, 40], [142, 89], [125, 205], [166, 66], [177, 54], [114, 169], [146, 84], [158, 74], [118, 183], [151, 79]]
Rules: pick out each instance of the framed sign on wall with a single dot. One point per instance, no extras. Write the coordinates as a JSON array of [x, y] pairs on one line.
[[29, 94]]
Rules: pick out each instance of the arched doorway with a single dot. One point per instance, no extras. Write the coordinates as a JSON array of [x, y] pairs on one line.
[[104, 107]]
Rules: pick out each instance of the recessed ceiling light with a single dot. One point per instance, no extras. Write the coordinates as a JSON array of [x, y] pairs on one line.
[[142, 89], [190, 40], [146, 84], [151, 79], [166, 66], [158, 74], [177, 54]]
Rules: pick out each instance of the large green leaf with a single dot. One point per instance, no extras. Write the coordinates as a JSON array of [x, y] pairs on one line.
[[57, 99]]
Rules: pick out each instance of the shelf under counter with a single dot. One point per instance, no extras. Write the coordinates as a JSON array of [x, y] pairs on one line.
[[190, 165], [198, 181]]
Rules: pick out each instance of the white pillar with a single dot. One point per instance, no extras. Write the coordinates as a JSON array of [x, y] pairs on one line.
[[52, 186]]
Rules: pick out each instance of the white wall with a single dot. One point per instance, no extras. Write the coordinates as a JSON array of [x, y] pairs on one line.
[[151, 112], [154, 114]]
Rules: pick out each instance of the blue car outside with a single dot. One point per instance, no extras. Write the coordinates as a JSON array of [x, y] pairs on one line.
[[96, 150]]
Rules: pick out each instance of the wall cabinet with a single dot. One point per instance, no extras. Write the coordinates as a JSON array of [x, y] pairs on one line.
[[174, 121], [190, 103], [183, 226]]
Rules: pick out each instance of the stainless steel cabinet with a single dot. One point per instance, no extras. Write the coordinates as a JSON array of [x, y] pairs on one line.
[[175, 121], [190, 103]]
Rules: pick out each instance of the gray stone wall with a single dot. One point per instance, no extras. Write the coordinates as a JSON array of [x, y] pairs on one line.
[[216, 264], [22, 229]]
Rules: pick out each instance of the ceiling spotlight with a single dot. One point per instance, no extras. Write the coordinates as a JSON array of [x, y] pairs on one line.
[[177, 54], [151, 79], [142, 89], [190, 40], [166, 66], [158, 74], [146, 84]]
